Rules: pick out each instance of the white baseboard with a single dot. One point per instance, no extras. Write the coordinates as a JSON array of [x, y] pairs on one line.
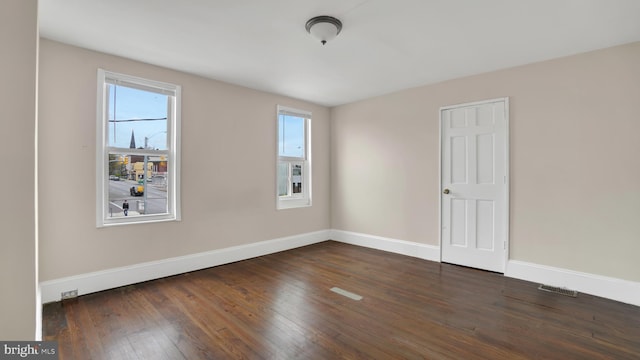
[[107, 279], [422, 251], [606, 287], [611, 288]]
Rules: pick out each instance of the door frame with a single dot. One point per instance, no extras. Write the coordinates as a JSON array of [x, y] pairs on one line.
[[507, 170]]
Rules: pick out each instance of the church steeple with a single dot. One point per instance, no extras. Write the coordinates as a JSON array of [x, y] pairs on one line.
[[132, 145]]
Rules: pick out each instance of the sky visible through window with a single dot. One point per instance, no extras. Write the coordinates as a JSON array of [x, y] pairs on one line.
[[291, 136], [143, 112]]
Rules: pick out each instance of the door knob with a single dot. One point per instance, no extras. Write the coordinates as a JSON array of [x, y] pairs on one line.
[[446, 191]]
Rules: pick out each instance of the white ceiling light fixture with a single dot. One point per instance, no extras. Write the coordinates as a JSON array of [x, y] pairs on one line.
[[324, 28]]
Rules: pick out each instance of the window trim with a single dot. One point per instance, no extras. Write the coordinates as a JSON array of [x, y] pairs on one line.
[[295, 201], [104, 78]]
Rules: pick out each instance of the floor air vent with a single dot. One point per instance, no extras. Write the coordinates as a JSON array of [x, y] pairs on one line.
[[558, 290]]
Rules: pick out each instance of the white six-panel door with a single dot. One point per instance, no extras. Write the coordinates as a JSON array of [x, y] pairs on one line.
[[474, 184]]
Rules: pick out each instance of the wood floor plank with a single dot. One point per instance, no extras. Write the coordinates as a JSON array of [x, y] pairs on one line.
[[197, 337], [283, 337], [292, 302], [154, 339], [280, 306]]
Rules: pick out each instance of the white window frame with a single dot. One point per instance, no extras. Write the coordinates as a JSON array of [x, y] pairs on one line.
[[102, 149], [303, 199]]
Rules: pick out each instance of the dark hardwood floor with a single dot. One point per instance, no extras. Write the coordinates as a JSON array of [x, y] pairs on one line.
[[280, 307]]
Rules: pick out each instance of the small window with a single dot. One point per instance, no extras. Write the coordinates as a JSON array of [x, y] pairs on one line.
[[138, 126], [294, 158]]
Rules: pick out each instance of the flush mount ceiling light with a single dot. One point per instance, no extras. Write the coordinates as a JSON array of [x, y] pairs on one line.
[[324, 28]]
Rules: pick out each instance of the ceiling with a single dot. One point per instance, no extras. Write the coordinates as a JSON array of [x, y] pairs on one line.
[[384, 46]]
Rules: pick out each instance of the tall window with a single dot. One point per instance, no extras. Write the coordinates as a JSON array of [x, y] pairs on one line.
[[137, 137], [294, 158]]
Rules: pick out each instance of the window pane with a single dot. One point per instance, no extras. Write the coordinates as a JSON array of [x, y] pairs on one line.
[[137, 118], [291, 136], [296, 179], [127, 185], [144, 115], [283, 179]]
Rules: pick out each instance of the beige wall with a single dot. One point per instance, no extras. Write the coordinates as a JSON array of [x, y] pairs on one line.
[[228, 168], [18, 65], [575, 168]]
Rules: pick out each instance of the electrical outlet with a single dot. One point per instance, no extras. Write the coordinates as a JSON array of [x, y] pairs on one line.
[[69, 294]]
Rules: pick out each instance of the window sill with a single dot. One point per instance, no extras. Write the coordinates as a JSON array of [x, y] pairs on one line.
[[149, 219], [284, 204]]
